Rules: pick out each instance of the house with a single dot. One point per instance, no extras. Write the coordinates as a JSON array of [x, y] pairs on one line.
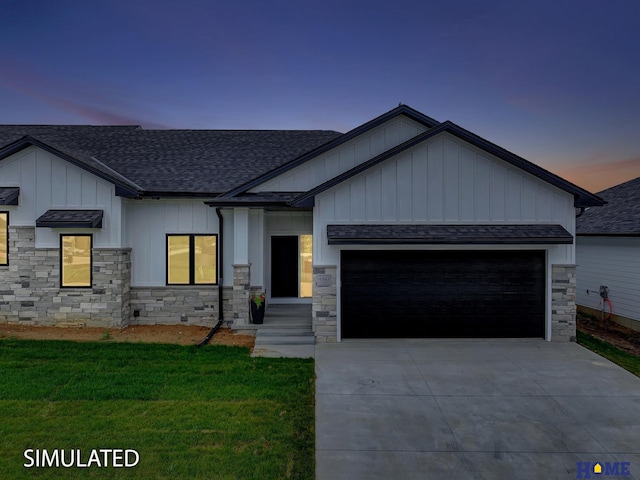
[[608, 255], [401, 227]]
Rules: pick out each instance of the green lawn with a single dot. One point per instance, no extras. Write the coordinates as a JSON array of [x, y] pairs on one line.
[[625, 360], [190, 413]]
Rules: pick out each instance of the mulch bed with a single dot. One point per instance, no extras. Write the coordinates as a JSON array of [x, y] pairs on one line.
[[179, 334], [609, 331]]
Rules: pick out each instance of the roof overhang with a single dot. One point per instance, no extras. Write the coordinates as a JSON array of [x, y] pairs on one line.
[[71, 219], [268, 200], [9, 195], [410, 234]]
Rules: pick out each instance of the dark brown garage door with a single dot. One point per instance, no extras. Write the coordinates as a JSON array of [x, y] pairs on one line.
[[442, 294]]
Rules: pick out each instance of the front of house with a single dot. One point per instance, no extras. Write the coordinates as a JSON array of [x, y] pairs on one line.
[[402, 227]]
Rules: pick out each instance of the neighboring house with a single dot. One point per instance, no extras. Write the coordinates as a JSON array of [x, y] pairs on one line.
[[608, 254], [403, 227]]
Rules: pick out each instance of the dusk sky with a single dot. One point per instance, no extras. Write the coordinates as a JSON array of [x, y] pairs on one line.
[[556, 82]]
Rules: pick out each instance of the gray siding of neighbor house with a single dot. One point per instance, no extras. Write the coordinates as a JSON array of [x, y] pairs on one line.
[[614, 262]]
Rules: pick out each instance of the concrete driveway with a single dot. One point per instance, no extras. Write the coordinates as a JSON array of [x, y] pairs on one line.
[[472, 409]]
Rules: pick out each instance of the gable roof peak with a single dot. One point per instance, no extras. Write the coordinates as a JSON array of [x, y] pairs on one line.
[[401, 109]]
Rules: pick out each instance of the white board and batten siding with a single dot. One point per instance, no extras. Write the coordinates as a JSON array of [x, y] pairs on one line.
[[344, 157], [48, 182], [443, 180], [610, 261], [147, 224]]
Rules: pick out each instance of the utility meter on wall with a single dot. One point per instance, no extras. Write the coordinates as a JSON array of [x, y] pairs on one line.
[[604, 291]]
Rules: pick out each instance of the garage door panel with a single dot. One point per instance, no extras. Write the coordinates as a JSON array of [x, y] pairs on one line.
[[442, 294]]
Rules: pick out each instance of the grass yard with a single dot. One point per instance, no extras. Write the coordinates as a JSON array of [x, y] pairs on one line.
[[626, 360], [190, 413]]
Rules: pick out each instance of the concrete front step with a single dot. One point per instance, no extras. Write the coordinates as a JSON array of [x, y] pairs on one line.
[[285, 332], [263, 340], [287, 321]]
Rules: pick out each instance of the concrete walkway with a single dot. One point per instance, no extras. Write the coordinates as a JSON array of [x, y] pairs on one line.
[[471, 409]]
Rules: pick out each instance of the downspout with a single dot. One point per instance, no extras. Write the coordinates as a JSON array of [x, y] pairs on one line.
[[220, 276], [220, 263]]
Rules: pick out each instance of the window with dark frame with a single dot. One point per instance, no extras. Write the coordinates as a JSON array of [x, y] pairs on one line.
[[76, 261], [192, 259], [4, 238]]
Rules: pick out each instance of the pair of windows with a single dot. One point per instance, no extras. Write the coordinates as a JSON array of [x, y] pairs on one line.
[[191, 260]]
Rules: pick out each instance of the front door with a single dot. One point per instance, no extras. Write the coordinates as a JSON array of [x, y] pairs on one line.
[[284, 266]]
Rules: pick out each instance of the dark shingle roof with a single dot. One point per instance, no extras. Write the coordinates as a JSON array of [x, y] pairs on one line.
[[620, 216], [70, 219], [9, 195], [168, 161], [213, 162], [379, 234]]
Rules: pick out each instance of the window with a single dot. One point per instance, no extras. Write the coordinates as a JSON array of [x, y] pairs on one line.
[[4, 238], [306, 266], [76, 260], [192, 259]]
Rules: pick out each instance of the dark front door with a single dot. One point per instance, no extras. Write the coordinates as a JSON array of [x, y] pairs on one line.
[[284, 266], [442, 294]]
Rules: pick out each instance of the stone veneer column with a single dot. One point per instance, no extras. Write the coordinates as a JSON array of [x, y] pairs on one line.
[[324, 306], [563, 303], [112, 282], [241, 290]]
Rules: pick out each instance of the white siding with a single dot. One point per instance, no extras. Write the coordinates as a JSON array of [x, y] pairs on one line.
[[257, 223], [344, 157], [610, 261], [443, 180], [148, 223], [48, 182]]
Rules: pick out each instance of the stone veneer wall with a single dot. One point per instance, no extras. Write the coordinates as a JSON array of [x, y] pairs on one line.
[[563, 303], [30, 290], [324, 306], [227, 305], [172, 305]]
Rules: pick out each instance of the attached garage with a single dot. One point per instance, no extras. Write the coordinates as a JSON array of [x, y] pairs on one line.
[[424, 229], [477, 293]]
